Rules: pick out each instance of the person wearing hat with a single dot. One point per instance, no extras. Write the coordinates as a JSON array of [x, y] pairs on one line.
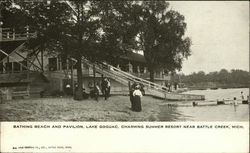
[[131, 97], [137, 94], [105, 88], [68, 89]]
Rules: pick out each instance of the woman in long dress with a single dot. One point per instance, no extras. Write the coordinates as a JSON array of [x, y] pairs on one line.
[[131, 97], [137, 94]]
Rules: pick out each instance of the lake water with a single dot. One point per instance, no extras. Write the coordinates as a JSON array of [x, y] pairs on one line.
[[210, 112]]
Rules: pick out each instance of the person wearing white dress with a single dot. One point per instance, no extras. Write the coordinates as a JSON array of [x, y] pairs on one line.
[[137, 94]]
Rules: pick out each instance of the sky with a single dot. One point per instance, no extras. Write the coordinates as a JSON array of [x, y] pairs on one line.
[[220, 34]]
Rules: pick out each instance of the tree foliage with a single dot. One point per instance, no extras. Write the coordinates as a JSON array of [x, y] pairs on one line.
[[104, 30], [223, 78], [116, 28], [161, 36]]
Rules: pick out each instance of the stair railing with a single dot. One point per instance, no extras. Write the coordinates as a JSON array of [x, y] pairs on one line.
[[107, 73]]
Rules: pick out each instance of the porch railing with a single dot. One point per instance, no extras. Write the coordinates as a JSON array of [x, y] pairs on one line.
[[8, 34]]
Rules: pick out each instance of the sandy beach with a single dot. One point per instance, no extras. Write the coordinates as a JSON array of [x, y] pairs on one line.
[[116, 108]]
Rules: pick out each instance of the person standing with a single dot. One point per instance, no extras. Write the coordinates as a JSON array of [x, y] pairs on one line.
[[104, 85], [142, 89], [242, 96], [108, 87], [96, 91], [235, 101], [137, 99], [131, 97], [68, 89], [76, 89]]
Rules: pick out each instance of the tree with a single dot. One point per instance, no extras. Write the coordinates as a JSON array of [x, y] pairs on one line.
[[118, 29], [84, 34], [104, 30], [50, 21], [223, 78], [11, 16], [161, 36], [55, 25]]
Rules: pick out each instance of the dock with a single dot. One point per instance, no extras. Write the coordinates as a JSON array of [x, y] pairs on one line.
[[204, 103]]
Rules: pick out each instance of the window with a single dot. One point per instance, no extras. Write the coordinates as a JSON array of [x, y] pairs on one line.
[[52, 64], [8, 67], [16, 67]]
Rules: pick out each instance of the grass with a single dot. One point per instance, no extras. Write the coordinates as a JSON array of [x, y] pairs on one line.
[[116, 108]]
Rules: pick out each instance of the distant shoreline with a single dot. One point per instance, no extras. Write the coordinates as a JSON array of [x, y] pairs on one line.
[[204, 88], [214, 86]]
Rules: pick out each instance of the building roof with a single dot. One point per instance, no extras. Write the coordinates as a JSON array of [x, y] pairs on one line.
[[131, 56]]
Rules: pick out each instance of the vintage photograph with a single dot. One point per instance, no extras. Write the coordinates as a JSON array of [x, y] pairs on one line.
[[123, 61]]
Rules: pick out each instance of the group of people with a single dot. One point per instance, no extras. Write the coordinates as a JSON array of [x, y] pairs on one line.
[[235, 102], [105, 89], [136, 92], [170, 86], [95, 90]]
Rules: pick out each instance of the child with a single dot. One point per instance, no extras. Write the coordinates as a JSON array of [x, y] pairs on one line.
[[137, 99], [235, 101]]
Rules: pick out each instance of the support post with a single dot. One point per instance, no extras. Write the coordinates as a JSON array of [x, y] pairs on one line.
[[28, 68], [72, 77], [42, 60], [1, 31], [129, 86], [14, 34], [94, 73], [7, 66]]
